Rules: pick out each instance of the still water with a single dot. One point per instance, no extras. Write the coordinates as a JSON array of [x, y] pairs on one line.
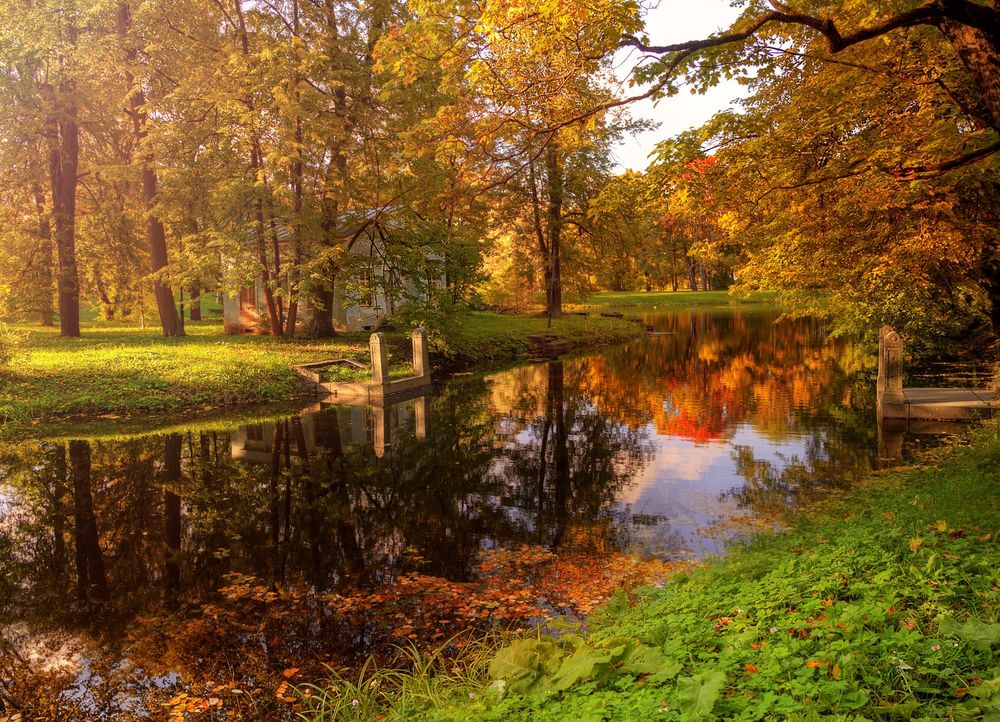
[[215, 559]]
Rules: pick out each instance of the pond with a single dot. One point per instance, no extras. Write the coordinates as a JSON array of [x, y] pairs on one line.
[[208, 569]]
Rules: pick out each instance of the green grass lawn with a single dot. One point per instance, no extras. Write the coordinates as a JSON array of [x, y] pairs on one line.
[[672, 300], [118, 370], [882, 603]]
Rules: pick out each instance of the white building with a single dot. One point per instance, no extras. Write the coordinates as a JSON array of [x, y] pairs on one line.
[[362, 234]]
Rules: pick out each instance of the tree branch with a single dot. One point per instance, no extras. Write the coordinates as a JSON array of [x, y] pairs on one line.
[[932, 13], [935, 171]]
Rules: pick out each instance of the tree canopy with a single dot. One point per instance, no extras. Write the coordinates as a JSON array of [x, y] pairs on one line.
[[152, 153]]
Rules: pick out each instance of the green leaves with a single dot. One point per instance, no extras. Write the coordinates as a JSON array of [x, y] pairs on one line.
[[579, 666], [979, 634], [696, 696], [544, 666], [527, 665]]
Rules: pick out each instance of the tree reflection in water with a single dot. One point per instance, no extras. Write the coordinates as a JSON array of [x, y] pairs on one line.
[[215, 560]]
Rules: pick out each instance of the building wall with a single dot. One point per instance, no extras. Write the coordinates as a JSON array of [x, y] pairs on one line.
[[244, 313]]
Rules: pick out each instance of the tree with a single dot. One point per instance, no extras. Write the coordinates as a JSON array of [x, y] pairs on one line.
[[883, 150], [518, 77], [170, 321]]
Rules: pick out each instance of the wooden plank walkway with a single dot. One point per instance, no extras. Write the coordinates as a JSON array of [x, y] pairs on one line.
[[943, 405]]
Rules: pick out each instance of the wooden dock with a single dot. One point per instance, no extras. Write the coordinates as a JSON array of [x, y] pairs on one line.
[[932, 404]]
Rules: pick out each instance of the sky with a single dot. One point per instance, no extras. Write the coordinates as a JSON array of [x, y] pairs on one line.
[[674, 21]]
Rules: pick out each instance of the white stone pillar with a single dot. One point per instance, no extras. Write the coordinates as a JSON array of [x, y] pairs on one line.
[[380, 359], [421, 355], [890, 366]]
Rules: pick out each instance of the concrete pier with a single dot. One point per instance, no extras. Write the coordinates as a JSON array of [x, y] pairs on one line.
[[924, 404]]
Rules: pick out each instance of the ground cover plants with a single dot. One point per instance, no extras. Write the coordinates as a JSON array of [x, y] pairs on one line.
[[881, 603]]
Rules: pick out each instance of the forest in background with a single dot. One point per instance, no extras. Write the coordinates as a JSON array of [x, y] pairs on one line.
[[152, 152]]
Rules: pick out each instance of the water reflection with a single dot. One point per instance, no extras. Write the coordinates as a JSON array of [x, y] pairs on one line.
[[115, 549]]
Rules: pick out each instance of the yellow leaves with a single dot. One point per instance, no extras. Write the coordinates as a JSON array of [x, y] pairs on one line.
[[915, 544], [835, 672]]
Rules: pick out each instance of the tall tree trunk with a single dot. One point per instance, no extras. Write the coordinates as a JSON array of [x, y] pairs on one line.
[[543, 246], [91, 579], [170, 321], [296, 172], [273, 319], [980, 53], [554, 171], [63, 138], [45, 311], [276, 254], [195, 303]]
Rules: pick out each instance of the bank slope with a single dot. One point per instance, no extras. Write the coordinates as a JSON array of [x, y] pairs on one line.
[[883, 604]]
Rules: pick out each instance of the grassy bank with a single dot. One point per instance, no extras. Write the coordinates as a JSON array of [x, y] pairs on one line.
[[882, 604], [119, 371], [673, 300]]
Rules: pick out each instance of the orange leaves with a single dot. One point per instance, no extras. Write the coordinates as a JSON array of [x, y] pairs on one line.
[[915, 544], [183, 704], [511, 585]]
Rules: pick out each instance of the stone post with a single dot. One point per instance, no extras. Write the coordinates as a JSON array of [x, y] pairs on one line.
[[890, 369], [421, 355], [380, 360]]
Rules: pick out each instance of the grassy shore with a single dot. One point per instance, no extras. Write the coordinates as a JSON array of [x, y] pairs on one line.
[[883, 603], [120, 371], [672, 300]]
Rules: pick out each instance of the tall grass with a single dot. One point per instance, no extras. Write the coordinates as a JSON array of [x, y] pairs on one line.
[[416, 680]]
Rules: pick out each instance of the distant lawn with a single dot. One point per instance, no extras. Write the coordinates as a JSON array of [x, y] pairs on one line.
[[118, 371], [673, 300]]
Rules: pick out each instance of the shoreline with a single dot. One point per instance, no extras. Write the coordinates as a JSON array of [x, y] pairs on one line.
[[877, 601], [127, 377]]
